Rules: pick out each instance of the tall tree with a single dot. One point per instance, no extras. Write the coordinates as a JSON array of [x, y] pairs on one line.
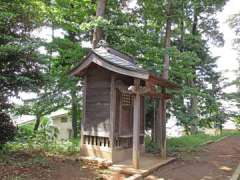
[[21, 64], [165, 74], [63, 54], [191, 61], [98, 31]]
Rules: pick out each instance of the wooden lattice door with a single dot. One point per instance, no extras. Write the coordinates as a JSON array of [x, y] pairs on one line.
[[126, 114]]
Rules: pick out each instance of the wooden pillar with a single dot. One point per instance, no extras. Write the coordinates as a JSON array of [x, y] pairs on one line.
[[136, 126], [112, 109], [84, 108], [162, 118]]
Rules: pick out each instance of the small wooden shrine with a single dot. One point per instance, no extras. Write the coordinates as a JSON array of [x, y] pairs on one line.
[[113, 105]]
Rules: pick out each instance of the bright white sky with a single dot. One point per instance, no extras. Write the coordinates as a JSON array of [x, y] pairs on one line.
[[227, 62]]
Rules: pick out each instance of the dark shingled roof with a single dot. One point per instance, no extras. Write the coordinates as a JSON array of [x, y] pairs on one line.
[[126, 65], [118, 59]]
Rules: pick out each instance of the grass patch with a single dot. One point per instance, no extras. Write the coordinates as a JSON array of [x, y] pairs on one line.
[[188, 143], [194, 142], [67, 147]]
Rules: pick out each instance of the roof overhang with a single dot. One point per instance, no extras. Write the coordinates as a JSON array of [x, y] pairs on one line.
[[93, 58]]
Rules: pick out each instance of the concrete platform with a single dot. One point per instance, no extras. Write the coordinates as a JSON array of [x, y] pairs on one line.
[[148, 164]]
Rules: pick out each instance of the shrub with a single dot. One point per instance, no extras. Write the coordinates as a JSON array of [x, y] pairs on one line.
[[150, 146], [7, 129], [45, 139], [236, 120]]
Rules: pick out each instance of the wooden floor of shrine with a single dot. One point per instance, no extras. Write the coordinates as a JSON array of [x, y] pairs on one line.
[[148, 164]]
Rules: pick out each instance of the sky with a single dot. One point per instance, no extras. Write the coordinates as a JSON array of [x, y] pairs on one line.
[[227, 62]]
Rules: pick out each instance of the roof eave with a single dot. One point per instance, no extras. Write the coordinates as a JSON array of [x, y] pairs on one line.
[[114, 68]]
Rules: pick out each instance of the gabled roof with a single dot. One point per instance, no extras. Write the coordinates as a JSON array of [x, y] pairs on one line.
[[112, 60], [120, 63], [121, 60]]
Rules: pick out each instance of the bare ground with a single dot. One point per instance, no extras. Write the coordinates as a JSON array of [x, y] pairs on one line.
[[37, 166], [217, 161]]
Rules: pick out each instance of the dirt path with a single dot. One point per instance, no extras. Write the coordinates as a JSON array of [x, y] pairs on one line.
[[217, 161]]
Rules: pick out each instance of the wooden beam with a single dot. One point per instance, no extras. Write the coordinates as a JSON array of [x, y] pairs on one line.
[[160, 95], [136, 127], [154, 80], [122, 87], [141, 89]]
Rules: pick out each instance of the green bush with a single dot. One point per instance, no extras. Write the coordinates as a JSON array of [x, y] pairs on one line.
[[150, 146], [45, 139], [236, 120]]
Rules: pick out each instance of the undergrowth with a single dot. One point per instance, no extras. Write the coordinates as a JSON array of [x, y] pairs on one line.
[[45, 140], [187, 143]]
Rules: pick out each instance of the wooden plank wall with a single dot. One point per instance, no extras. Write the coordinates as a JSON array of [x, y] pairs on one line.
[[97, 102]]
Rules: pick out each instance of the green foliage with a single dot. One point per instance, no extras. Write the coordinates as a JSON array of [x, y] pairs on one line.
[[139, 32], [150, 146], [60, 89], [45, 139], [21, 64], [236, 120]]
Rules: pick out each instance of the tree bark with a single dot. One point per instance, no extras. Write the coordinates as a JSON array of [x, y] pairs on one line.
[[157, 126], [74, 103], [165, 74], [192, 84], [74, 113], [154, 122], [98, 32], [167, 41], [37, 123], [163, 140]]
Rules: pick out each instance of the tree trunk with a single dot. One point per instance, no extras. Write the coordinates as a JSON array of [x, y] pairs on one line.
[[74, 113], [193, 111], [74, 103], [157, 125], [165, 74], [192, 82], [37, 123], [163, 140], [98, 32], [154, 122], [166, 59]]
